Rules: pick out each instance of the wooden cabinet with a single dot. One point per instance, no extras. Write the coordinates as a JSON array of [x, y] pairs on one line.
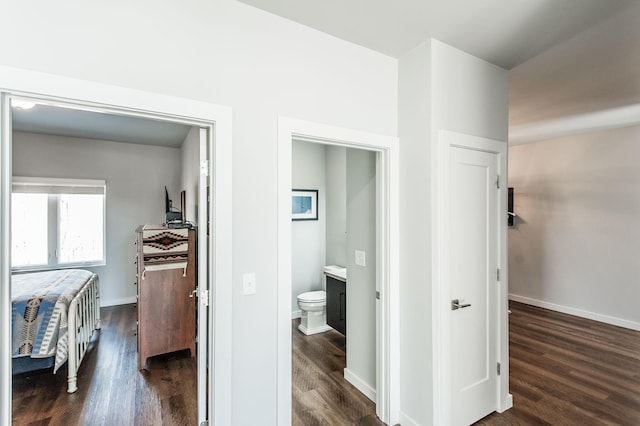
[[337, 304], [166, 278]]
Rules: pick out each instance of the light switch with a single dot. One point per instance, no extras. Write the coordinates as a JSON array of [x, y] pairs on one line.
[[361, 258], [249, 283]]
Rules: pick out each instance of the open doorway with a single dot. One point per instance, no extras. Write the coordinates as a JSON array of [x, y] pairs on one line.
[[215, 121], [334, 283], [386, 231]]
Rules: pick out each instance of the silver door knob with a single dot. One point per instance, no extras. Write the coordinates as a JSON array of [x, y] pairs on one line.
[[455, 304]]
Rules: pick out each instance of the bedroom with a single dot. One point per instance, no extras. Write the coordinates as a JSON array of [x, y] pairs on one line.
[[135, 172]]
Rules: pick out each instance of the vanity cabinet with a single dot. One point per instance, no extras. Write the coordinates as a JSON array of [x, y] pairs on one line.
[[337, 304]]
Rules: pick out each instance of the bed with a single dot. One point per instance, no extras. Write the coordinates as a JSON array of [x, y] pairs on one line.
[[53, 317]]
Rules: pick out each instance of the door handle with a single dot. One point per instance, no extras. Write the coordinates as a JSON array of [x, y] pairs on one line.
[[455, 304]]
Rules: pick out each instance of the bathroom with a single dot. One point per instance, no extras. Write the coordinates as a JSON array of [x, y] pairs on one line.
[[345, 179]]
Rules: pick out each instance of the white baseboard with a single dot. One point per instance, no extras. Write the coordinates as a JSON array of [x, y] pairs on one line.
[[508, 403], [296, 314], [360, 384], [406, 420], [577, 312], [114, 302]]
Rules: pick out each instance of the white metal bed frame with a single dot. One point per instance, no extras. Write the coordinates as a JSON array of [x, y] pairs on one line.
[[84, 318]]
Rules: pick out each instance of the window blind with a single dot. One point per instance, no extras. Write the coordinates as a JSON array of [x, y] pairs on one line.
[[58, 186]]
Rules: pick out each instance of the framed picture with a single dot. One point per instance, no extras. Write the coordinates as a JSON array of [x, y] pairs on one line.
[[304, 204]]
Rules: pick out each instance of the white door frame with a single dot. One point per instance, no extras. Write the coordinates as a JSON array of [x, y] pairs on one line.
[[442, 403], [388, 398], [205, 145], [103, 97]]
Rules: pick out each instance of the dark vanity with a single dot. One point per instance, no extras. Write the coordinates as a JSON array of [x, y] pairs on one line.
[[337, 303]]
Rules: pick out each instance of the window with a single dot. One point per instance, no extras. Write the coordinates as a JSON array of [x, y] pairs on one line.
[[57, 223]]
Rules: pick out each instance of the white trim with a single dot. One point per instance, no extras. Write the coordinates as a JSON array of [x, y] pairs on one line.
[[360, 384], [406, 420], [5, 260], [220, 261], [57, 89], [505, 404], [116, 302], [204, 277], [619, 322], [108, 98], [388, 396], [441, 346], [296, 314]]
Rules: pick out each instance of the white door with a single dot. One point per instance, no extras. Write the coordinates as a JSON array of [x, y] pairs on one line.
[[204, 275], [473, 268]]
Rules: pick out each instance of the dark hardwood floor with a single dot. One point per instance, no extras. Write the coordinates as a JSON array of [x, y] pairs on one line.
[[111, 389], [320, 394], [567, 370], [564, 371]]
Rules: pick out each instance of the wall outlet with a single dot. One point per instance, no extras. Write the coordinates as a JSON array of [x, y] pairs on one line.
[[249, 283], [361, 258]]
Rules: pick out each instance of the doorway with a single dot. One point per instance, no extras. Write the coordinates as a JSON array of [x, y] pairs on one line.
[[217, 122], [324, 255], [387, 397]]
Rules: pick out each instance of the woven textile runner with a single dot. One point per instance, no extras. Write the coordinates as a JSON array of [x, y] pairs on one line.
[[164, 249]]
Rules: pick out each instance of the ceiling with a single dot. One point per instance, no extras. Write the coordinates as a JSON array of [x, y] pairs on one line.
[[507, 33], [503, 32], [73, 122]]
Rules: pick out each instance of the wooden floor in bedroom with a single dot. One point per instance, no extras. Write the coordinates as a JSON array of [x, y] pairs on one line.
[[111, 389]]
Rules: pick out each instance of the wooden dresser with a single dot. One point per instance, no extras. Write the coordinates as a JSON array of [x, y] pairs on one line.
[[166, 278]]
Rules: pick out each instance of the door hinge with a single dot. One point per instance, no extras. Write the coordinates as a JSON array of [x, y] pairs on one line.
[[498, 369], [204, 167], [498, 274], [205, 423], [204, 298], [498, 182]]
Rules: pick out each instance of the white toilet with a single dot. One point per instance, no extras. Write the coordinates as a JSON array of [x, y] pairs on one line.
[[314, 316]]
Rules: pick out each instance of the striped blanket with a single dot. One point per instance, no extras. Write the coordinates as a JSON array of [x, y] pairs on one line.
[[39, 312]]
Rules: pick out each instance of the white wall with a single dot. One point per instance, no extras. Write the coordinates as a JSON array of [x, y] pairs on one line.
[[440, 87], [576, 241], [308, 236], [136, 176], [469, 95], [257, 63], [415, 236], [361, 280], [336, 205], [573, 245], [190, 174]]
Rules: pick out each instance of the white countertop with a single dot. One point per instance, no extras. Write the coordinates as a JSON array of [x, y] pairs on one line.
[[337, 272]]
